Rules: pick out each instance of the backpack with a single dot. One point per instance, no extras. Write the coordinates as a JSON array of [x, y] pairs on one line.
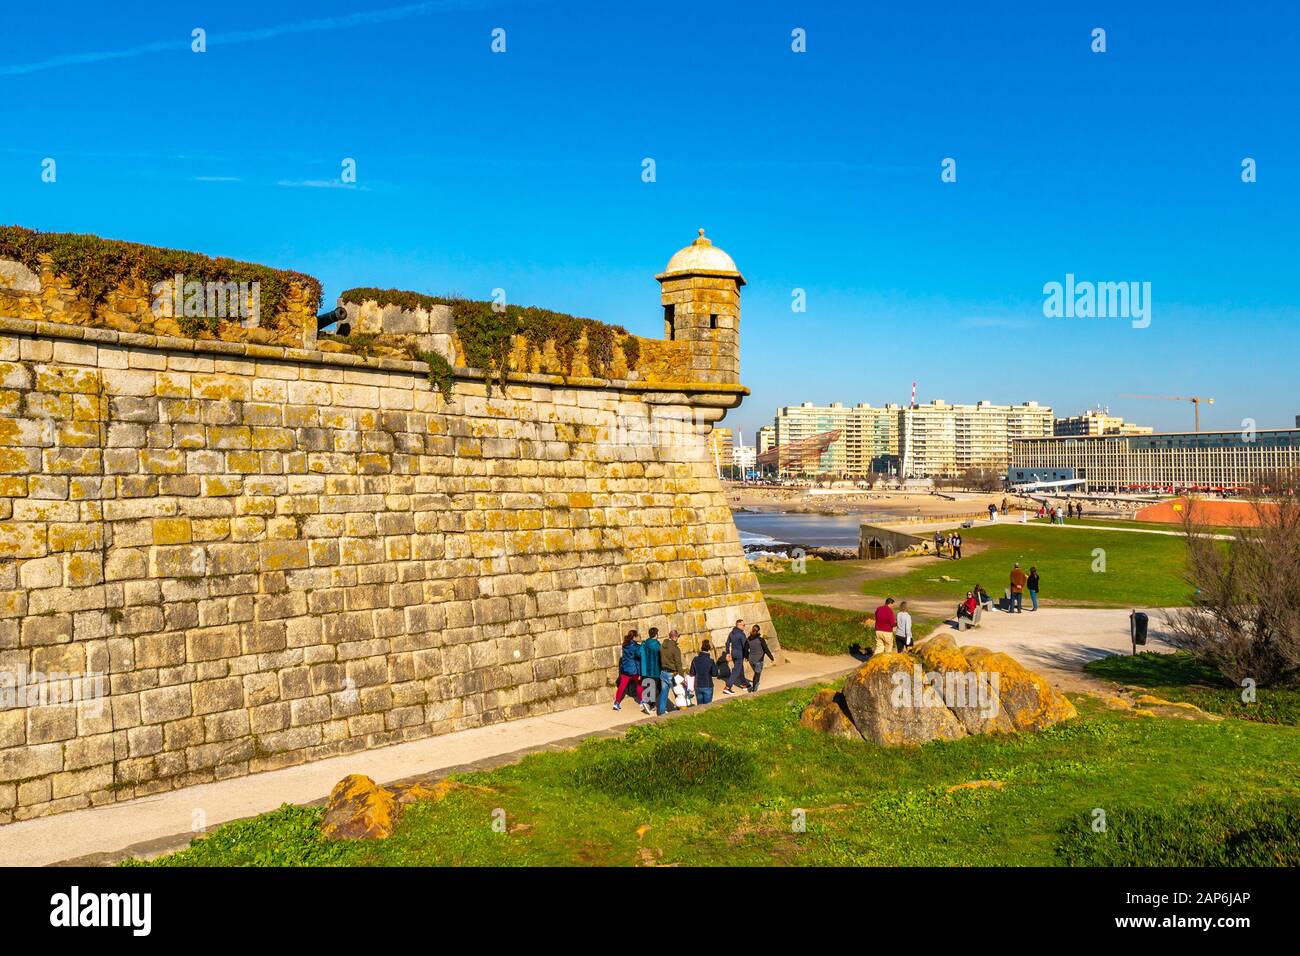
[[724, 669]]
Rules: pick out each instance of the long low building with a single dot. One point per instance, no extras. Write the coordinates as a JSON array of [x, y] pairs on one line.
[[1163, 462]]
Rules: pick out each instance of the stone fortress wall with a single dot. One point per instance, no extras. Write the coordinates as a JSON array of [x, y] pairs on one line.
[[272, 554]]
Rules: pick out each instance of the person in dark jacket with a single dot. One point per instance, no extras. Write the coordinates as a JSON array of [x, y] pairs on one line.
[[670, 665], [704, 670], [736, 655], [629, 669], [756, 649], [1031, 585], [652, 690]]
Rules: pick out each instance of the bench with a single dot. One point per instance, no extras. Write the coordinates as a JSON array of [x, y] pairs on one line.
[[963, 622]]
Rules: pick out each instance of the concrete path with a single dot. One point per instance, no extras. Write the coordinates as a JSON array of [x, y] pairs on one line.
[[1057, 642], [926, 529], [152, 825]]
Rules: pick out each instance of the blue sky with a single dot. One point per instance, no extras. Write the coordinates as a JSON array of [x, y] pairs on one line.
[[818, 171]]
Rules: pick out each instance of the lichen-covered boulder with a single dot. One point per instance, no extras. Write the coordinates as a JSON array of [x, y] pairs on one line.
[[359, 809], [825, 713], [1028, 700], [970, 692], [939, 691], [889, 703]]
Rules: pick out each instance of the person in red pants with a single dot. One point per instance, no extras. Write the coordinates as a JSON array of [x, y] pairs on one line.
[[629, 669]]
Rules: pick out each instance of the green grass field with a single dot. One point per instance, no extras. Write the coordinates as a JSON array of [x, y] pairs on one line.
[[1140, 569], [726, 787], [1180, 677]]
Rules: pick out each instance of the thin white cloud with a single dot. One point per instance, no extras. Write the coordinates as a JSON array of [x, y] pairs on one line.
[[320, 184], [360, 18], [218, 179]]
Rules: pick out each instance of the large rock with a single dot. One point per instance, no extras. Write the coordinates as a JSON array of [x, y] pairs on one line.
[[888, 705], [1027, 699], [359, 809], [970, 692], [939, 691], [826, 713]]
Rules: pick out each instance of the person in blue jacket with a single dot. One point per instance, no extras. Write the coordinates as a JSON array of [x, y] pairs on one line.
[[650, 669], [629, 669], [703, 669]]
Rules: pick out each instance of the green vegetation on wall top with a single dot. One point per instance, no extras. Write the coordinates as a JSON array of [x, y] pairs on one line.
[[487, 336], [96, 266]]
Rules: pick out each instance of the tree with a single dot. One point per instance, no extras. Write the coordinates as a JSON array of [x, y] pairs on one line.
[[1245, 615], [981, 479]]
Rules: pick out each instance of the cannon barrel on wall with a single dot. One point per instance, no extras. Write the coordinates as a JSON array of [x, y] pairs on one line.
[[339, 316]]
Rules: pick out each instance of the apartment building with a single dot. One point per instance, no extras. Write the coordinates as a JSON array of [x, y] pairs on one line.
[[943, 440], [934, 439], [1097, 421]]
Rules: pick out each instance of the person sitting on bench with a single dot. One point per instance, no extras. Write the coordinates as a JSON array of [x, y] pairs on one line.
[[982, 596], [967, 608]]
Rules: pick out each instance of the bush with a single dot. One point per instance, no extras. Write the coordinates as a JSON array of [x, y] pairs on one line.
[[487, 336], [1245, 616], [668, 770], [96, 266], [1209, 833]]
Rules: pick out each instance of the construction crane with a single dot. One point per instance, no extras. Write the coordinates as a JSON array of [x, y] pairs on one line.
[[1194, 399]]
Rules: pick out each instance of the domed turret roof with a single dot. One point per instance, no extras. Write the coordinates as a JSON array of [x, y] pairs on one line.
[[701, 257]]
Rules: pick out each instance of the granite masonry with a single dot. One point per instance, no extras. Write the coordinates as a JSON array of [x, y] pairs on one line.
[[242, 555]]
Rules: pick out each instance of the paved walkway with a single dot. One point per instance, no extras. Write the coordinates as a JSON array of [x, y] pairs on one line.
[[1057, 642], [152, 825]]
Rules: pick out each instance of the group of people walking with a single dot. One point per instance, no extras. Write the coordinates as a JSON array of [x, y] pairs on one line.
[[953, 541], [654, 670], [1057, 515]]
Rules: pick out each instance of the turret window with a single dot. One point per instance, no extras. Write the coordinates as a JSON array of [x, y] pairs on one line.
[[670, 322], [713, 321]]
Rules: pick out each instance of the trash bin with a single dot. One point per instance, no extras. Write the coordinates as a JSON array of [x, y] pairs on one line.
[[1137, 625]]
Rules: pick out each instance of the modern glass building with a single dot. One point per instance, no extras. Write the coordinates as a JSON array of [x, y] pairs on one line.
[[1172, 462]]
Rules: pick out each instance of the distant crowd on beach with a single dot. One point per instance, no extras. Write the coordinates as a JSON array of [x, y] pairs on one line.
[[655, 674]]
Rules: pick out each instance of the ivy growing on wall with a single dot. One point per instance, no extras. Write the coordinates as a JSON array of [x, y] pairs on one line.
[[487, 336], [95, 266]]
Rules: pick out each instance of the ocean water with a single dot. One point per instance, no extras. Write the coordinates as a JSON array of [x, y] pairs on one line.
[[760, 530]]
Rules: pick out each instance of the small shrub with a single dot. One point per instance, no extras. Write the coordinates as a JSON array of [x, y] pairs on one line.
[[440, 374], [1209, 833], [668, 769]]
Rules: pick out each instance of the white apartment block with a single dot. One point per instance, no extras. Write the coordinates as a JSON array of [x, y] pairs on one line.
[[935, 439]]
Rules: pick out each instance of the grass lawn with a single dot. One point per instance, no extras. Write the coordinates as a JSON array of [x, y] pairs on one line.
[[1140, 569], [816, 575], [1180, 677], [830, 630], [727, 785]]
